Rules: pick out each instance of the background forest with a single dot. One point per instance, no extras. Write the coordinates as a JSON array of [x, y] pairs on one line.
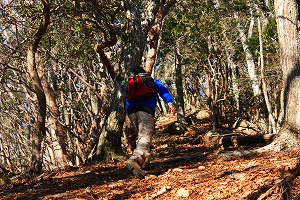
[[62, 63]]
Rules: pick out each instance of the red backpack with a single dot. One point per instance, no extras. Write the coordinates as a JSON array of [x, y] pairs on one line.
[[140, 87]]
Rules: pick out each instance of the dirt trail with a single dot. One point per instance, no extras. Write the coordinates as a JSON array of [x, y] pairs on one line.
[[182, 168]]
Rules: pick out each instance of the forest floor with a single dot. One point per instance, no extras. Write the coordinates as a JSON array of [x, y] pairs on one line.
[[183, 168]]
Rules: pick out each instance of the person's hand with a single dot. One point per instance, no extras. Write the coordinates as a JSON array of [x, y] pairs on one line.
[[172, 109]]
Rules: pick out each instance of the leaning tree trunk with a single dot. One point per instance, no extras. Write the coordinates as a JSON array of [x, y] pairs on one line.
[[139, 23], [250, 61], [155, 33], [107, 143], [40, 130]]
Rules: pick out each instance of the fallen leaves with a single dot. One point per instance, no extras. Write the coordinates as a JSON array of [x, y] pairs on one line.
[[181, 169]]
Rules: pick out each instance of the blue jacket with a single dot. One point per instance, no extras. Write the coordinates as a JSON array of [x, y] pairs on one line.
[[150, 104]]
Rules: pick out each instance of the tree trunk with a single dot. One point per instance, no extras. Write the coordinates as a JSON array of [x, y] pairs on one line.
[[40, 131], [233, 73], [211, 103], [58, 140], [250, 61], [213, 86], [109, 144], [287, 25], [287, 19], [154, 34], [264, 86], [136, 34], [260, 106], [178, 83]]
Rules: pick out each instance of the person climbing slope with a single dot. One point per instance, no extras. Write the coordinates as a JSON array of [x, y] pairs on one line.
[[142, 91]]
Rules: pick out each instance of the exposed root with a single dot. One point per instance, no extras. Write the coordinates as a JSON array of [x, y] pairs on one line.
[[285, 140]]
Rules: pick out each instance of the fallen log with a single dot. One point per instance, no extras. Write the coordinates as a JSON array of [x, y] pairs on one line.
[[236, 140], [247, 140]]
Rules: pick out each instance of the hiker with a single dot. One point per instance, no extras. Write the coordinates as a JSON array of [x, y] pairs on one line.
[[140, 108]]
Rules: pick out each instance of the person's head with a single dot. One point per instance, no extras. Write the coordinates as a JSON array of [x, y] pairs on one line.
[[135, 70]]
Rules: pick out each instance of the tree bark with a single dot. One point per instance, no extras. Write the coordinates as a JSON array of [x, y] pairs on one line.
[[136, 35], [40, 131], [287, 21], [109, 144], [58, 141], [233, 75], [249, 61], [154, 34], [264, 86], [287, 26], [178, 83]]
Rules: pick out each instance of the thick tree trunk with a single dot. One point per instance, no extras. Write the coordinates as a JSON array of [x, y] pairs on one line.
[[287, 20], [109, 144], [287, 25], [137, 34]]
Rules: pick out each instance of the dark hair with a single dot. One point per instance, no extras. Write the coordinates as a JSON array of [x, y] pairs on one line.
[[135, 70]]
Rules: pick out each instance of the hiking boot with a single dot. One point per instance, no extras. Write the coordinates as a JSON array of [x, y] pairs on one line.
[[134, 166]]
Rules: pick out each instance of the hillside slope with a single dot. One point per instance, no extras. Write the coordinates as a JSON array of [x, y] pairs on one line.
[[182, 167]]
